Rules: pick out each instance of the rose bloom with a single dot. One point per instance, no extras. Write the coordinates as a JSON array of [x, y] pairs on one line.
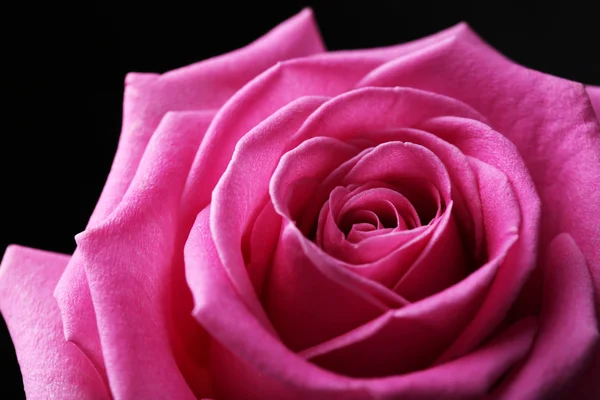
[[281, 222]]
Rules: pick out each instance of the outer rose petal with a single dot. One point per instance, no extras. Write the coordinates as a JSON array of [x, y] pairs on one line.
[[202, 86], [128, 262], [568, 329], [535, 111], [327, 74], [52, 368], [594, 93]]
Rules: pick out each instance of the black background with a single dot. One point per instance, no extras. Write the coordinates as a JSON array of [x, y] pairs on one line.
[[63, 68]]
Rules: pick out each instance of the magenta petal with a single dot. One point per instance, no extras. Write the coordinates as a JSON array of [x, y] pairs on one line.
[[120, 274], [405, 166], [469, 377], [74, 300], [253, 364], [373, 244], [262, 244], [439, 318], [568, 331], [534, 111], [51, 367], [250, 363], [299, 297], [206, 85], [245, 181], [441, 264], [465, 192], [594, 94], [480, 142]]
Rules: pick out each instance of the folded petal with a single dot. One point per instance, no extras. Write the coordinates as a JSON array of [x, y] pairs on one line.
[[534, 111], [246, 180], [51, 367], [328, 74], [128, 263], [465, 192], [206, 85], [568, 329], [428, 327], [260, 367], [594, 94], [249, 362], [481, 143]]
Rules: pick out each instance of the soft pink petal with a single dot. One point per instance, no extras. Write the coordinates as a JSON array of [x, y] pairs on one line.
[[550, 120], [328, 74], [255, 102], [442, 263], [372, 246], [329, 236], [51, 367], [469, 377], [303, 182], [594, 94], [300, 265], [367, 204], [568, 331], [439, 319], [245, 181], [250, 363], [303, 298], [221, 310], [480, 142], [202, 86], [72, 294], [465, 192], [262, 244], [128, 262], [404, 166]]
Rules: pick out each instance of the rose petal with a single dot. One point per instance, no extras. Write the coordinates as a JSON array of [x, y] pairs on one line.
[[469, 377], [327, 74], [263, 242], [388, 204], [218, 307], [128, 260], [302, 199], [465, 193], [359, 205], [594, 94], [442, 316], [397, 162], [533, 110], [369, 251], [251, 363], [245, 181], [442, 263], [480, 142], [568, 331], [254, 103], [202, 86], [353, 115], [51, 367], [205, 85]]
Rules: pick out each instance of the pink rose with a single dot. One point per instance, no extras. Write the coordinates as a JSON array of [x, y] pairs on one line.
[[411, 222]]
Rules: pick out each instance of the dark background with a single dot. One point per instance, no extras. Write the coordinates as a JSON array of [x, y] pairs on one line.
[[63, 68]]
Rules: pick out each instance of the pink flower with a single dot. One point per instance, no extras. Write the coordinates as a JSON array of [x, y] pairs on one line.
[[280, 222]]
